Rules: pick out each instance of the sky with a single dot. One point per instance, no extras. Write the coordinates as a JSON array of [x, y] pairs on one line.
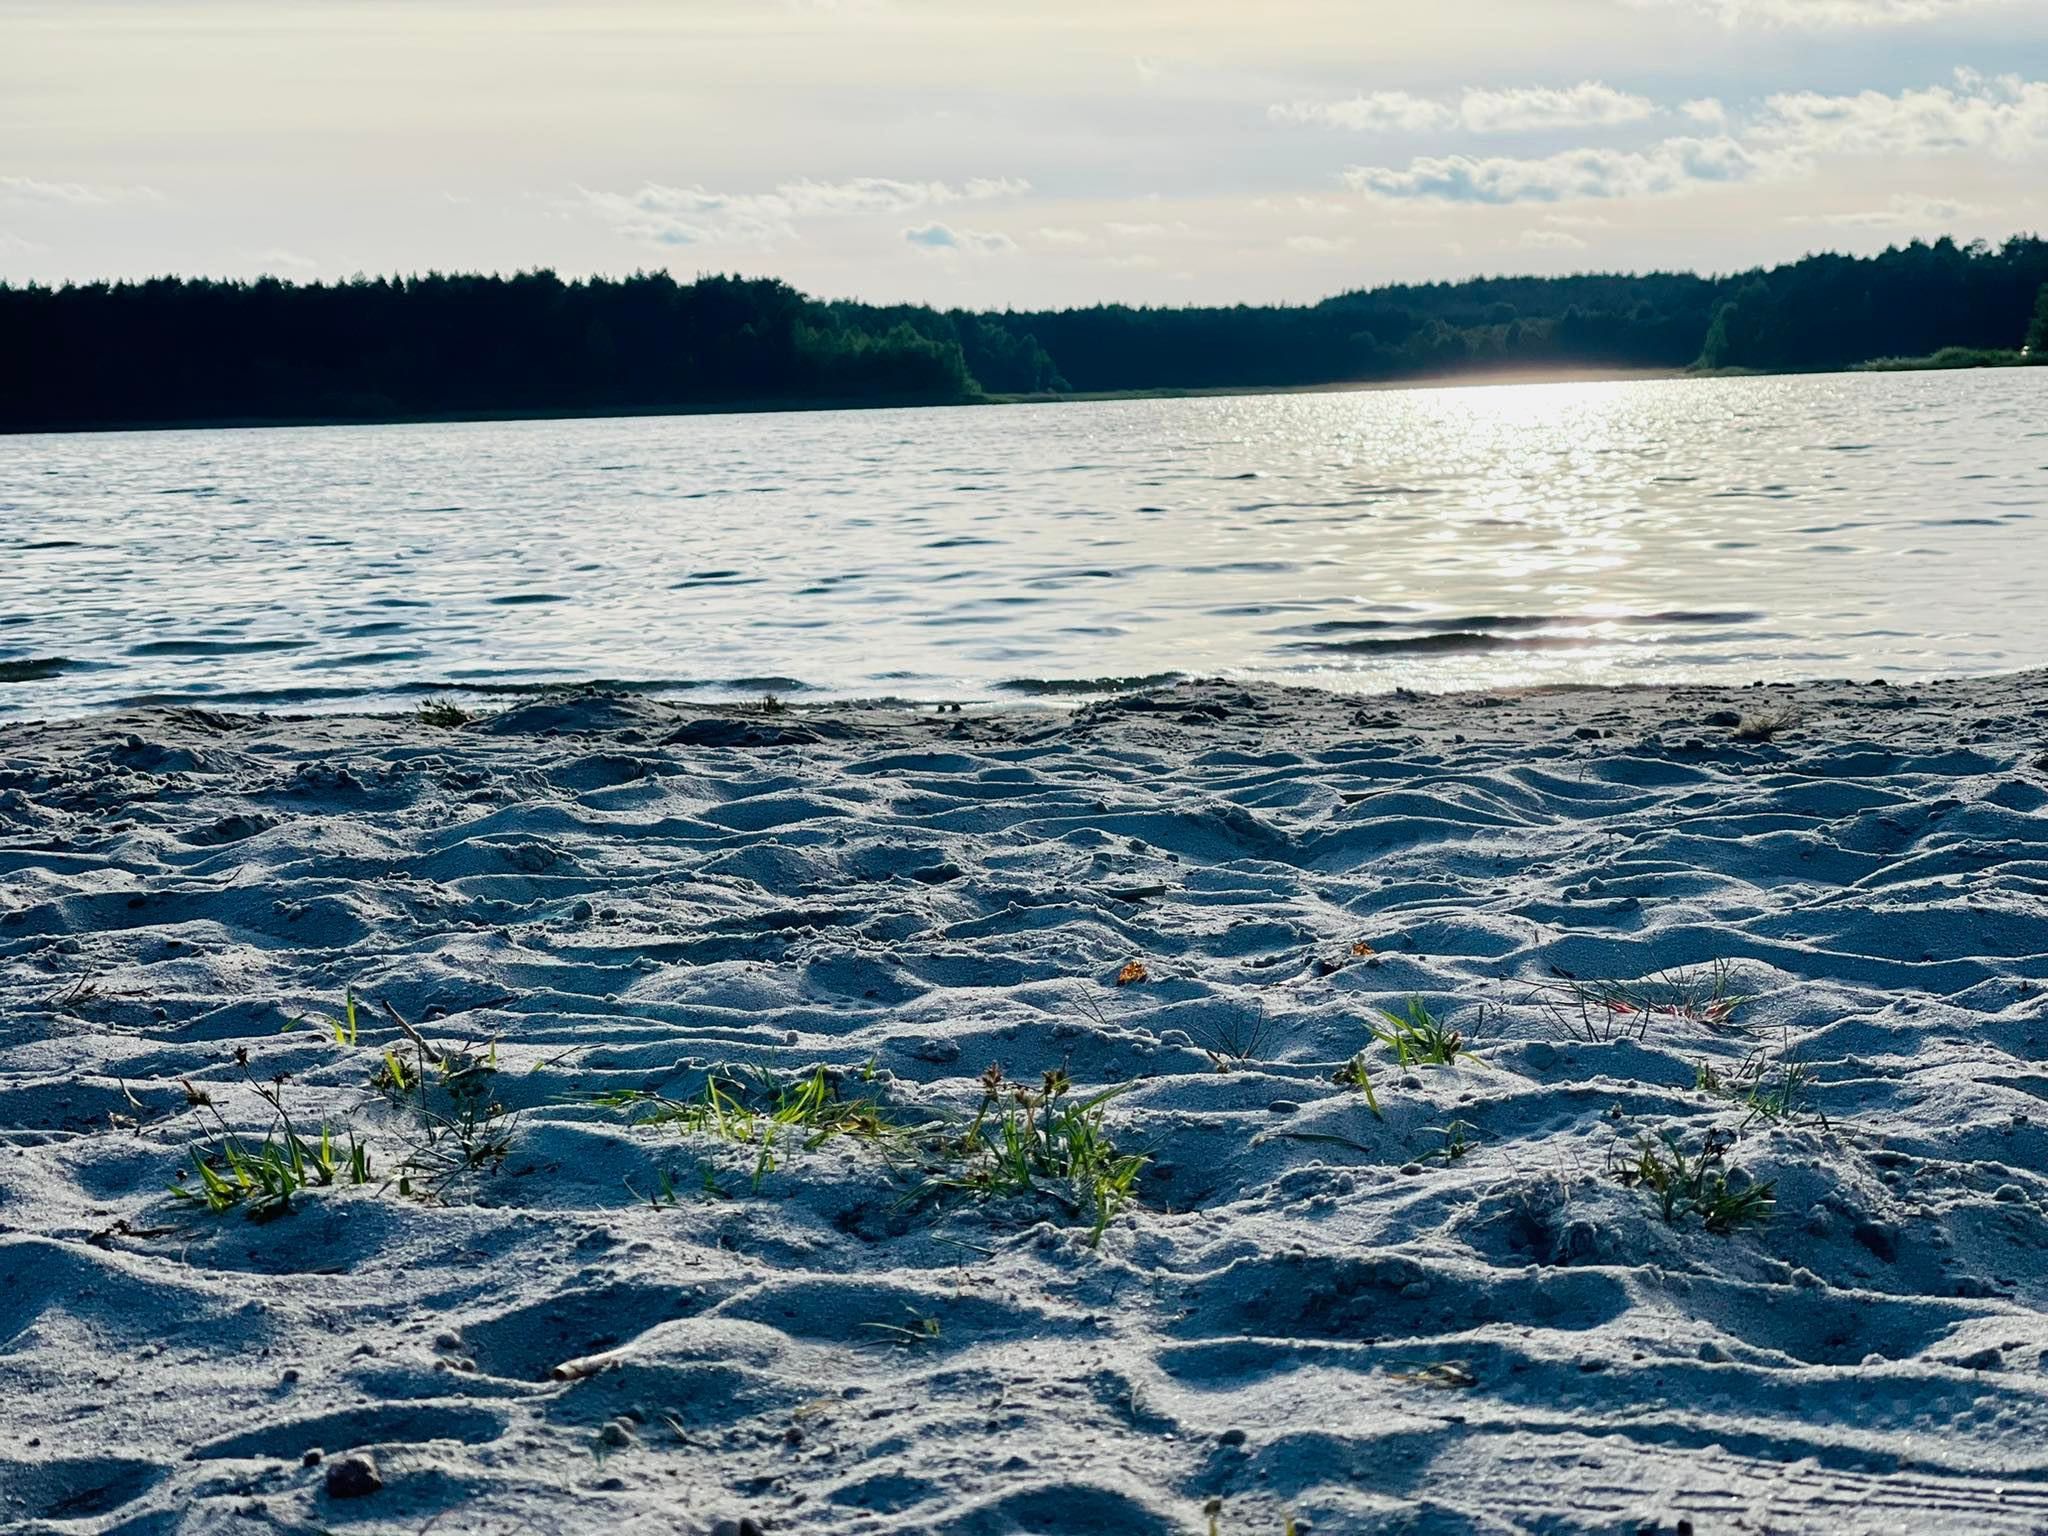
[[1010, 152]]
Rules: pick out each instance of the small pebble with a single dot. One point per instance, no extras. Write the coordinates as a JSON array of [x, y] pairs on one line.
[[355, 1476]]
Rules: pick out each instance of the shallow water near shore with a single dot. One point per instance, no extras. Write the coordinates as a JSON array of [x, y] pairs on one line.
[[1838, 525]]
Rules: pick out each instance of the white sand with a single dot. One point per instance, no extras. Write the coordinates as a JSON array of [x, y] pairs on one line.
[[624, 894]]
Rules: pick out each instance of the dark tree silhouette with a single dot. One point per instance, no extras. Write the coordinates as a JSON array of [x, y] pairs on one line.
[[1833, 311], [2037, 338], [177, 350]]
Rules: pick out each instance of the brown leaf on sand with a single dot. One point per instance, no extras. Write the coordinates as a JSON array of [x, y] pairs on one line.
[[1134, 970]]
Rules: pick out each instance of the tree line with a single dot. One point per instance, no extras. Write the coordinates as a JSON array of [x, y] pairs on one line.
[[200, 350]]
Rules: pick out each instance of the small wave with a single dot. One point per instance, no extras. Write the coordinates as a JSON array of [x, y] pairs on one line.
[[360, 659], [1449, 641], [1057, 687], [255, 696], [752, 687], [36, 668], [520, 599], [530, 687], [765, 685], [1520, 621], [213, 647]]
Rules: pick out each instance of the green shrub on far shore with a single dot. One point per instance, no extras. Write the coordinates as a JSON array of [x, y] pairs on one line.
[[1955, 357]]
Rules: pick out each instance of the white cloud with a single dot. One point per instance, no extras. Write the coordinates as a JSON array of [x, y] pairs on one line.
[[1663, 168], [2004, 116], [1900, 212], [271, 261], [1786, 136], [1317, 245], [1379, 112], [1706, 110], [1512, 109], [71, 194], [1531, 108], [1124, 230], [937, 237], [674, 216], [1824, 14], [1316, 207], [1551, 240], [1055, 235]]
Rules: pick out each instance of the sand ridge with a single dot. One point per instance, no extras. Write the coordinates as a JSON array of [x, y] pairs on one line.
[[1307, 1308]]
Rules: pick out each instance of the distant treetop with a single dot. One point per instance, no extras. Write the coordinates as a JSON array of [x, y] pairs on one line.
[[198, 350]]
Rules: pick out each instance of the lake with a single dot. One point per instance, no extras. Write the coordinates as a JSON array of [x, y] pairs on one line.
[[1880, 525]]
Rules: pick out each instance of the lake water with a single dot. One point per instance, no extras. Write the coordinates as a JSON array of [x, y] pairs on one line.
[[1822, 526]]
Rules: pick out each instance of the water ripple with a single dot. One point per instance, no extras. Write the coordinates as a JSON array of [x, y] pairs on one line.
[[1855, 525]]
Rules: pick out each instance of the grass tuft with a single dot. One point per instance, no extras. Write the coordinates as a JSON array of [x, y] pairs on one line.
[[770, 1117], [1698, 1185], [1599, 1012], [344, 1030], [1417, 1037], [1354, 1074], [442, 714], [1769, 1090], [1766, 725], [1024, 1140], [264, 1178], [1458, 1142], [1238, 1039]]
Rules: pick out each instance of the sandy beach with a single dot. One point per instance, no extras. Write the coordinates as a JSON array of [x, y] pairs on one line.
[[1709, 1196]]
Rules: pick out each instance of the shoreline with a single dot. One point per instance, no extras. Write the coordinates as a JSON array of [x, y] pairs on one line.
[[1801, 930], [790, 697], [779, 407], [1487, 379]]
